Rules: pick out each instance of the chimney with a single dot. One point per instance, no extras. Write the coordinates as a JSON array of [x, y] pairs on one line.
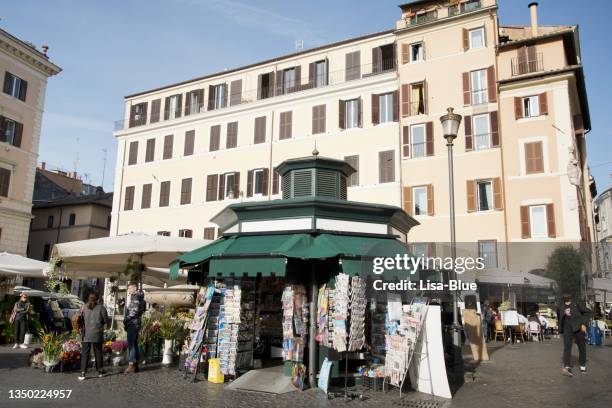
[[42, 165], [533, 9]]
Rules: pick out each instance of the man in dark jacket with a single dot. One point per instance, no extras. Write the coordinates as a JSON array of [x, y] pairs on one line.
[[134, 308], [573, 321]]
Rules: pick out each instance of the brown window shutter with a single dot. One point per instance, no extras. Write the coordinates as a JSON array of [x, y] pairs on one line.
[[466, 39], [18, 134], [469, 138], [405, 100], [189, 143], [168, 145], [359, 113], [375, 110], [150, 152], [425, 101], [315, 122], [532, 63], [155, 111], [221, 192], [236, 92], [518, 107], [312, 72], [275, 181], [279, 83], [129, 198], [7, 82], [250, 183], [322, 118], [187, 104], [285, 125], [211, 187], [543, 100], [5, 181], [201, 100], [164, 194], [209, 233], [430, 200], [386, 166], [167, 108], [132, 121], [395, 106], [225, 99], [493, 118], [23, 90], [408, 200], [211, 97], [260, 130], [264, 184], [497, 194], [179, 105], [471, 195], [525, 224], [538, 157], [133, 156], [298, 78], [491, 84], [186, 191], [342, 114], [467, 92], [215, 136], [232, 135], [521, 57], [406, 141], [405, 53], [529, 154], [429, 138], [146, 196], [376, 59], [236, 185]]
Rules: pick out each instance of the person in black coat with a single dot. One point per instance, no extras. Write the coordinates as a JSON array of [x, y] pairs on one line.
[[19, 319], [573, 321]]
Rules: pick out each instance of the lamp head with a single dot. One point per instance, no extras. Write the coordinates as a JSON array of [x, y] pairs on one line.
[[450, 125]]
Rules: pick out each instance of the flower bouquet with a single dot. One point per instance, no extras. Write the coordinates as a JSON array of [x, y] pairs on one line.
[[118, 348], [52, 348]]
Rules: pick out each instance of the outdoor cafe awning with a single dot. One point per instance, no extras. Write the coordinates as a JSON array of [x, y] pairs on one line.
[[266, 254]]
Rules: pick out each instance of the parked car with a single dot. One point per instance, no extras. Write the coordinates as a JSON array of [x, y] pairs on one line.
[[70, 304]]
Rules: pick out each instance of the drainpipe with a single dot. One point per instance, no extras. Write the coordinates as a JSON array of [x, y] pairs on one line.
[[399, 123]]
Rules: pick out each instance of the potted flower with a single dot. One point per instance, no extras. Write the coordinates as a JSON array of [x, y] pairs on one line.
[[52, 349], [169, 328], [118, 348]]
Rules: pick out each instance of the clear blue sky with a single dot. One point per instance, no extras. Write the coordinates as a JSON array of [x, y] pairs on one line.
[[109, 49]]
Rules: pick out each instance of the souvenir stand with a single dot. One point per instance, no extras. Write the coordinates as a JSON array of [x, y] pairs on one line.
[[315, 244]]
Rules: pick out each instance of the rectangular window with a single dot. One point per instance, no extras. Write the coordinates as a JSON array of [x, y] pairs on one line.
[[353, 66], [232, 135], [531, 106], [386, 166], [258, 182], [477, 39], [163, 233], [185, 233], [538, 221], [320, 73], [416, 52], [164, 194], [186, 191], [189, 143], [417, 99], [482, 131], [72, 219], [168, 145], [479, 86], [352, 114], [194, 102], [133, 155], [129, 198], [10, 131], [50, 221], [218, 96], [173, 107], [46, 252], [229, 185], [285, 125], [150, 153], [260, 130], [265, 88], [418, 140], [385, 107], [534, 158], [209, 233], [484, 189], [318, 119], [215, 138], [487, 250], [288, 80], [419, 200], [145, 201], [353, 179], [15, 86]]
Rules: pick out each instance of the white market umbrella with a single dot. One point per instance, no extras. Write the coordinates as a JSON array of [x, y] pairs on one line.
[[12, 264], [502, 277]]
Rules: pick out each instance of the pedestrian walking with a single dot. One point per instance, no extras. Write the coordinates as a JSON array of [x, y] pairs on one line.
[[487, 315], [573, 321], [95, 320], [19, 320], [134, 308]]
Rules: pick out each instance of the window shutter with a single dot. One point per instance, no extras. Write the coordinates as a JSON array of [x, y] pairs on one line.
[[406, 141], [201, 100], [550, 215], [285, 125], [236, 92], [129, 199], [395, 106], [525, 225], [164, 194], [532, 63], [543, 100], [312, 72], [359, 113], [7, 82], [518, 107], [529, 154], [386, 166], [211, 97], [211, 187], [167, 108], [150, 151], [264, 184], [469, 138], [133, 157], [275, 181], [376, 59], [224, 100], [260, 130], [494, 129], [471, 195], [538, 157], [405, 100], [5, 181], [221, 192], [405, 53], [322, 118], [23, 90], [497, 194], [18, 134], [2, 134], [430, 200], [186, 191], [187, 102], [429, 138], [298, 78], [315, 122], [491, 84], [467, 92], [189, 142], [132, 116], [155, 110], [408, 200], [466, 39], [236, 185], [215, 136], [521, 57], [342, 114], [168, 145], [179, 105], [375, 110], [259, 85], [279, 83], [250, 183], [425, 102], [352, 65], [146, 196], [232, 135]]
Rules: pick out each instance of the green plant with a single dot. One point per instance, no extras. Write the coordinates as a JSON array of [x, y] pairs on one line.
[[565, 266], [52, 345], [169, 327], [53, 283]]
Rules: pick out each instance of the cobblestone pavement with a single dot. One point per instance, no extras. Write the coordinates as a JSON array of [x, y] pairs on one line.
[[518, 375]]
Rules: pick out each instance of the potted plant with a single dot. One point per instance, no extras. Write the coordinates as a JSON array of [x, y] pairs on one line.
[[169, 328], [52, 349], [118, 348]]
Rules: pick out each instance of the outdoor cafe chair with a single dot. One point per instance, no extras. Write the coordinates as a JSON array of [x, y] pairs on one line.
[[536, 330], [519, 332], [499, 331]]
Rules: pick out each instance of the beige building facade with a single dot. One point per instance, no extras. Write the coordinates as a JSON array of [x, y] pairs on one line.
[[24, 71], [187, 150]]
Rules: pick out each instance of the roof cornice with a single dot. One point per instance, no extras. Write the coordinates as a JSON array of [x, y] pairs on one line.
[[27, 54]]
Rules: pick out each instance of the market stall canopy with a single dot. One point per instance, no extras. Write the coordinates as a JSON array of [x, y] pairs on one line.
[[108, 256], [502, 277], [12, 264], [601, 284], [267, 254]]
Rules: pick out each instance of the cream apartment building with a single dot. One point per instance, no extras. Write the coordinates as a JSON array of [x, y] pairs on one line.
[[24, 71], [187, 150]]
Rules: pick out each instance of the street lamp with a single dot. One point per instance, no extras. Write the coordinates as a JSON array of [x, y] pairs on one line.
[[450, 127]]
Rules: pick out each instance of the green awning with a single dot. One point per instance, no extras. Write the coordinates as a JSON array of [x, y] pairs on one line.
[[364, 267], [301, 246], [247, 266]]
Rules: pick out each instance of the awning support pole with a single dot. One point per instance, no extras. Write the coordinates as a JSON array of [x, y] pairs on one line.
[[312, 343]]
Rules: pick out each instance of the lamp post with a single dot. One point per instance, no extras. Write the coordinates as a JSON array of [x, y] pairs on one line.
[[450, 127]]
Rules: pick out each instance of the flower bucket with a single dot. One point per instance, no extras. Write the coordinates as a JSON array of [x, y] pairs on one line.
[[50, 365], [118, 358], [167, 359], [27, 339]]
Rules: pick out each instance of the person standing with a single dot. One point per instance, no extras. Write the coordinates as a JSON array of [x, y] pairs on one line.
[[134, 308], [95, 319], [19, 319], [487, 314], [573, 321]]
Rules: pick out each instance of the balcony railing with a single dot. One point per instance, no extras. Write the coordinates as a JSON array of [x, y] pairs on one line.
[[253, 95], [527, 66], [464, 7]]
